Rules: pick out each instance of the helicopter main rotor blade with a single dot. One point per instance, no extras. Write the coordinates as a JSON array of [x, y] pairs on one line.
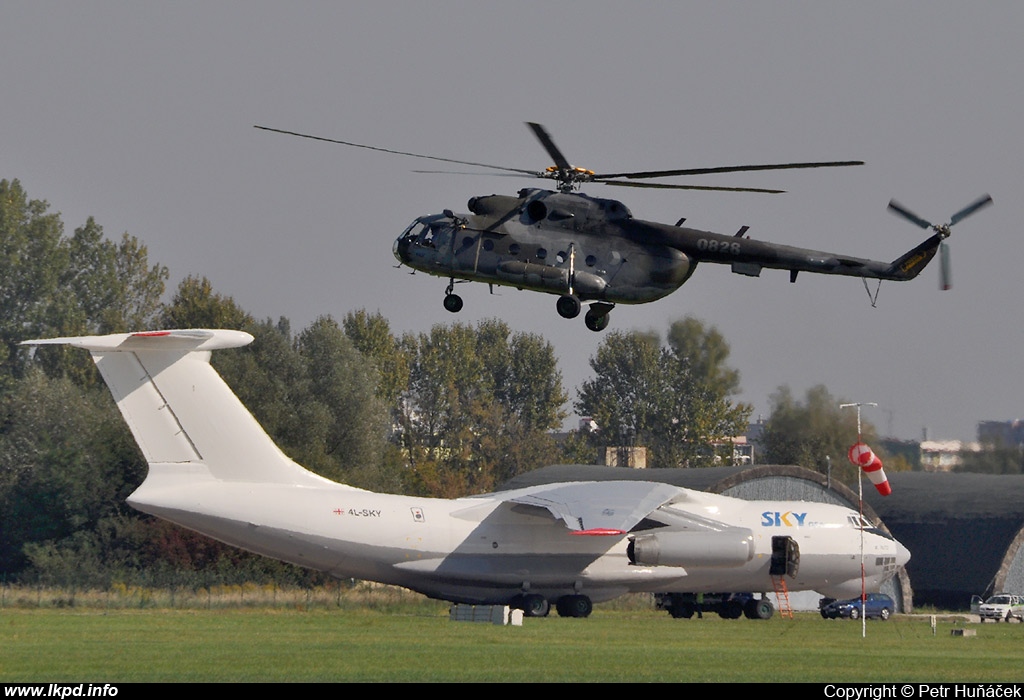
[[664, 186], [910, 216], [532, 173], [726, 169], [985, 200], [561, 162]]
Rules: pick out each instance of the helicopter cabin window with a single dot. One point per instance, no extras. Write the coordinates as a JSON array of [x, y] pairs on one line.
[[542, 253], [591, 261], [513, 249], [488, 244]]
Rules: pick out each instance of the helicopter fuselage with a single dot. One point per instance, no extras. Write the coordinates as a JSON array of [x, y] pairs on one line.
[[547, 242], [587, 249]]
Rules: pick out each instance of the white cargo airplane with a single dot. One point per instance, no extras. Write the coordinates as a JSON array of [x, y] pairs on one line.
[[214, 470]]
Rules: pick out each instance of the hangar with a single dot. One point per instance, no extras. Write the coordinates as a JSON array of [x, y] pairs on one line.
[[964, 532]]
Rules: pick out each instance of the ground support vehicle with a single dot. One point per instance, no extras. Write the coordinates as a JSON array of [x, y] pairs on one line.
[[1002, 606], [728, 605]]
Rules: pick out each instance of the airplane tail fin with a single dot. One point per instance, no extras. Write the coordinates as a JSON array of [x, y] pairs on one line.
[[909, 265], [182, 414]]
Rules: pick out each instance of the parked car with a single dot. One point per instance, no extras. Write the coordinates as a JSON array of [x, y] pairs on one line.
[[875, 605], [1003, 606]]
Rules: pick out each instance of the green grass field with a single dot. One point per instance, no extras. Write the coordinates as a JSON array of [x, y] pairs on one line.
[[417, 643]]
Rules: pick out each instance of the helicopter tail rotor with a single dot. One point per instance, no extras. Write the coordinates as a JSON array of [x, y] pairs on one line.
[[943, 230]]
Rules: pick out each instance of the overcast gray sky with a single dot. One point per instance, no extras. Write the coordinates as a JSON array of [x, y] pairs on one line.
[[142, 114]]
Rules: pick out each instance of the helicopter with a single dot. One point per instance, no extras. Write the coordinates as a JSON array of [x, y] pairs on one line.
[[592, 250]]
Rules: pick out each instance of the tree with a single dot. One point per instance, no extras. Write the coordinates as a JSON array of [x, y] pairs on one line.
[[345, 383], [479, 405], [196, 305], [53, 285], [66, 461], [116, 288], [672, 398], [371, 335], [815, 433], [32, 259]]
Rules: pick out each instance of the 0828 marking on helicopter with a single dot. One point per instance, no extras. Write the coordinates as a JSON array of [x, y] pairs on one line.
[[713, 246], [603, 255]]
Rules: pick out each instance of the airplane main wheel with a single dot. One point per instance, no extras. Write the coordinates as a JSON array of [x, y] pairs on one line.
[[681, 611], [731, 610], [568, 306], [453, 303], [596, 322], [534, 605], [759, 609], [574, 606]]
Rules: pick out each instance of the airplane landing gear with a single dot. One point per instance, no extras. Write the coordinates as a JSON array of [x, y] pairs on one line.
[[532, 605], [574, 606]]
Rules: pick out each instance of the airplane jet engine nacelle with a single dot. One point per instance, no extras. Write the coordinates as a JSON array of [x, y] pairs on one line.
[[733, 547]]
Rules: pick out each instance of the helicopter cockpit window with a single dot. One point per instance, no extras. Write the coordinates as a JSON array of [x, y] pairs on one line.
[[432, 235]]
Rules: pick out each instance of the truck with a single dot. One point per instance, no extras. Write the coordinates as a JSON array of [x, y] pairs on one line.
[[728, 605]]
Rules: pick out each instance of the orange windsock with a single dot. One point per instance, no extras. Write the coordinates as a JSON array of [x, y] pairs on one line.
[[862, 456]]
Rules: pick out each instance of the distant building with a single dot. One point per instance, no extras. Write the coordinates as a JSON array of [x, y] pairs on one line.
[[1001, 433], [943, 455], [631, 457]]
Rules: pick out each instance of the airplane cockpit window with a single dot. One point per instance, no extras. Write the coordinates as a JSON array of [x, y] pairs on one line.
[[859, 523]]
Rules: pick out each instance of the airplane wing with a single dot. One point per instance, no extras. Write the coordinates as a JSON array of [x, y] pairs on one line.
[[598, 507]]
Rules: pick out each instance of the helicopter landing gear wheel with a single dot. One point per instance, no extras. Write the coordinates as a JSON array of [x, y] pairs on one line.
[[452, 302], [568, 306], [597, 318]]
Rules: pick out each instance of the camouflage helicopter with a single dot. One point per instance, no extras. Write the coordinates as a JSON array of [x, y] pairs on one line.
[[586, 249]]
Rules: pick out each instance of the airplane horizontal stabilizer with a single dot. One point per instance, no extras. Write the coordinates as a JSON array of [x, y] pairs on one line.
[[189, 340]]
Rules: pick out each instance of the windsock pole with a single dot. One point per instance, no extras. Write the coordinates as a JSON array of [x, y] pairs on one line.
[[860, 498]]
